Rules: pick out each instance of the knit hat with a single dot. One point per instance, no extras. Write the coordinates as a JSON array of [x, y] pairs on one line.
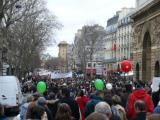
[[41, 101]]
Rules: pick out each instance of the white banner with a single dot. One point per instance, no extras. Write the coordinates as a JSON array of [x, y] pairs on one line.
[[99, 69], [57, 75], [155, 84]]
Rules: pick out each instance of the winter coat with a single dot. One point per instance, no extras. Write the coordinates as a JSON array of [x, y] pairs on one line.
[[23, 111], [29, 110], [73, 105], [82, 101], [53, 108], [155, 97], [140, 116], [91, 105], [139, 94], [157, 109]]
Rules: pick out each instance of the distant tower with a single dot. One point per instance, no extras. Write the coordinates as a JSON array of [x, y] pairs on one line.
[[63, 53], [63, 50]]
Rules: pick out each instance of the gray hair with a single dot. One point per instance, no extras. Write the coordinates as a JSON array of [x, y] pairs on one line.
[[103, 107]]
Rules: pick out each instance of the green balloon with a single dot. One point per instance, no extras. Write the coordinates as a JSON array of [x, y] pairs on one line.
[[41, 87], [99, 85]]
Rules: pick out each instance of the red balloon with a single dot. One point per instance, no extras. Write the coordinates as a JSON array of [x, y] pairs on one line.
[[126, 66]]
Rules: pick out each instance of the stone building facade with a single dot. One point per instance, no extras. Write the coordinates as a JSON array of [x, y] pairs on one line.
[[63, 54], [124, 39], [146, 53]]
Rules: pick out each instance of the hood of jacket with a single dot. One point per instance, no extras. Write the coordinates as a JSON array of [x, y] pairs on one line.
[[141, 93]]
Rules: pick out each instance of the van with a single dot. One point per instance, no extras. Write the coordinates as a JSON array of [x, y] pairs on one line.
[[10, 92]]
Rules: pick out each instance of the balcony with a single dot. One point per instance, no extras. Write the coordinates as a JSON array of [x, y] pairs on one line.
[[112, 60]]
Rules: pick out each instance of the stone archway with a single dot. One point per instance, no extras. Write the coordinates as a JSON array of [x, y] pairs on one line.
[[146, 58], [157, 69], [137, 71]]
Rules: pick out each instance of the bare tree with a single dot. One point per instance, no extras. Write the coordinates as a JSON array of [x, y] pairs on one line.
[[88, 43], [54, 63], [28, 32]]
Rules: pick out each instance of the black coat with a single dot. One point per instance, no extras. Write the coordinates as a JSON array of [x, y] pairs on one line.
[[73, 105], [140, 116], [53, 108], [155, 97]]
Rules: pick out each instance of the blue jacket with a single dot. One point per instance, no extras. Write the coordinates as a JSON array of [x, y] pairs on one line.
[[157, 109], [23, 111]]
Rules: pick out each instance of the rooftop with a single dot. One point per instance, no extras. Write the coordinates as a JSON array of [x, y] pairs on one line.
[[63, 43]]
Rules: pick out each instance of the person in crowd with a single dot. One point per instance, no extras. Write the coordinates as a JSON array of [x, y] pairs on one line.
[[64, 112], [82, 101], [71, 102], [155, 97], [104, 108], [108, 97], [140, 110], [97, 116], [117, 108], [38, 113], [32, 105], [52, 103], [99, 95], [126, 91], [24, 107], [2, 115], [43, 103], [139, 94], [157, 108]]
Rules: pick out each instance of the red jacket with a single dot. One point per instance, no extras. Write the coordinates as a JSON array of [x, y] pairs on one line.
[[81, 101], [139, 95]]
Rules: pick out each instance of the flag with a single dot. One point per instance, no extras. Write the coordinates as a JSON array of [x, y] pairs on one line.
[[114, 47]]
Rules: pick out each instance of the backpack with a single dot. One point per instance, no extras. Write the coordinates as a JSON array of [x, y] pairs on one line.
[[115, 113]]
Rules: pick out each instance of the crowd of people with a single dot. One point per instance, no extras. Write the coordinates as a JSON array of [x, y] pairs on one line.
[[78, 99]]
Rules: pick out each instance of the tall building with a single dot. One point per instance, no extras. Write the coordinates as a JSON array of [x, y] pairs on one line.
[[146, 51], [110, 42], [63, 54], [118, 39], [142, 3], [70, 59], [124, 37], [63, 50], [77, 43]]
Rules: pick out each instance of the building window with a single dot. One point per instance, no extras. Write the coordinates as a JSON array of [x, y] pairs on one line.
[[89, 65], [157, 69], [137, 71], [94, 64]]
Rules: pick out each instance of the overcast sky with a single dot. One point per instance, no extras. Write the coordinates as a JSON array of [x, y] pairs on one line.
[[73, 14]]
